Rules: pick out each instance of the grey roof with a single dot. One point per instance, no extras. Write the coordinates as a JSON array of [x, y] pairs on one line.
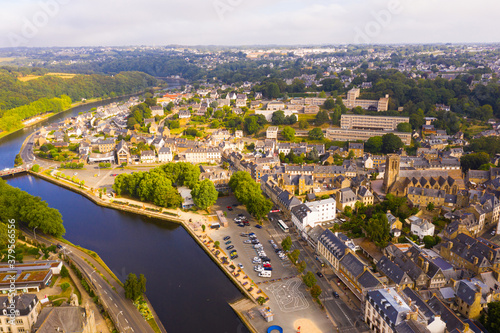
[[368, 281], [451, 320], [468, 248], [466, 293], [388, 302], [392, 271], [447, 293], [22, 303], [67, 318], [423, 308], [352, 264], [301, 211], [334, 245]]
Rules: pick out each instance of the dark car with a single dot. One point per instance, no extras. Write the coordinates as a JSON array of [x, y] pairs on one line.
[[258, 226], [246, 223], [241, 225], [235, 205], [243, 234], [265, 259], [268, 268], [230, 247], [59, 246], [335, 294], [229, 208], [227, 237], [255, 241], [241, 215], [228, 242], [319, 274], [234, 257]]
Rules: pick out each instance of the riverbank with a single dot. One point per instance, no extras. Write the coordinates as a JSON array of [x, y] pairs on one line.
[[201, 239], [53, 114]]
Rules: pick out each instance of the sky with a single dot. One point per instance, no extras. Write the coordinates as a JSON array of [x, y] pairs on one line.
[[71, 23]]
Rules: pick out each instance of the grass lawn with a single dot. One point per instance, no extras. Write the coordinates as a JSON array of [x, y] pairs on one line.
[[65, 295], [34, 77], [153, 325]]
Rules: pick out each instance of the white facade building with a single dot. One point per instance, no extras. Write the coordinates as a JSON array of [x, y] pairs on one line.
[[314, 213], [421, 227]]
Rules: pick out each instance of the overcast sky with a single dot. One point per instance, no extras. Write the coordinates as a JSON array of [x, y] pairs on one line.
[[245, 22]]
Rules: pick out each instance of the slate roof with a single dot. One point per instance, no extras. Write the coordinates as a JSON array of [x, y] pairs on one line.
[[334, 245], [389, 304], [352, 264], [392, 271], [451, 320], [368, 281], [467, 248]]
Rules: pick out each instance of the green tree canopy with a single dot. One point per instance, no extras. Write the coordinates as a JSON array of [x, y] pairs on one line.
[[204, 194], [316, 134], [391, 143], [309, 279], [288, 133], [404, 127], [473, 161]]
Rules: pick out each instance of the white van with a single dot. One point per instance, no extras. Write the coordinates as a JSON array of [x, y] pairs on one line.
[[265, 274]]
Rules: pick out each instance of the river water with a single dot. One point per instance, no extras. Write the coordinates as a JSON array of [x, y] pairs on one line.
[[188, 291]]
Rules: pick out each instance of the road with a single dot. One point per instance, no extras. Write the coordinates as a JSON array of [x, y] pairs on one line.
[[122, 311], [345, 318]]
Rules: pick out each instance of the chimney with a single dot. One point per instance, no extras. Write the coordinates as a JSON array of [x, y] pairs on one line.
[[426, 267]]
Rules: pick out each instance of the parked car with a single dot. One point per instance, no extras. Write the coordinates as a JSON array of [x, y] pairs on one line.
[[247, 241], [228, 242], [251, 234], [258, 226], [240, 265], [319, 274], [230, 247], [227, 237], [241, 225], [229, 208], [258, 268], [336, 294], [266, 265], [241, 216], [268, 268]]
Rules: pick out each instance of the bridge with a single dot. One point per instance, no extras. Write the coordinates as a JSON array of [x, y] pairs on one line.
[[13, 171]]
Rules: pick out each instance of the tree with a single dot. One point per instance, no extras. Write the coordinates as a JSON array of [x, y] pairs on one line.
[[35, 168], [303, 124], [261, 300], [404, 127], [216, 244], [64, 272], [204, 194], [316, 134], [294, 256], [288, 133], [490, 318], [309, 279], [473, 161], [131, 286], [301, 266], [430, 206], [316, 291], [329, 104], [321, 118], [203, 227], [374, 145], [286, 244], [141, 284], [278, 118], [64, 286], [429, 242], [18, 160], [391, 143]]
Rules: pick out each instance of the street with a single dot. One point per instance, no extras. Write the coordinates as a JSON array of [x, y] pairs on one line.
[[121, 310]]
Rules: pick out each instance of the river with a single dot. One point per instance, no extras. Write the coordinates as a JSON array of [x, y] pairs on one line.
[[188, 291]]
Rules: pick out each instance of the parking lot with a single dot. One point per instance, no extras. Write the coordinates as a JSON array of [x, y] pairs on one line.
[[281, 269]]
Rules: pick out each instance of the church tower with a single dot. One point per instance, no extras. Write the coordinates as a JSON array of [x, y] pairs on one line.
[[391, 175]]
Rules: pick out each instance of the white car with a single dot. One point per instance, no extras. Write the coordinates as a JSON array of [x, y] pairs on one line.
[[247, 241], [257, 259], [240, 265], [258, 268], [257, 246], [262, 254]]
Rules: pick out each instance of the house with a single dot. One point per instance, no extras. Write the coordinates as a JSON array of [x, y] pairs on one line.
[[395, 225], [356, 148], [26, 308], [157, 111], [331, 248], [272, 132], [165, 155], [472, 297], [346, 198], [311, 214], [394, 273], [420, 227], [122, 152], [105, 146], [357, 276], [275, 106], [66, 319], [187, 199], [184, 114], [148, 156], [365, 196]]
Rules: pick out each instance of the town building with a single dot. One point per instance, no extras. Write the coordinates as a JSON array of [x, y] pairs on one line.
[[272, 132], [340, 134], [308, 215], [26, 310], [420, 227], [364, 122], [66, 319], [352, 101], [165, 155], [122, 153], [148, 156]]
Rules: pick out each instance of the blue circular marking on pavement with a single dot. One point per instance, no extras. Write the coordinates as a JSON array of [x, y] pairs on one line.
[[275, 328]]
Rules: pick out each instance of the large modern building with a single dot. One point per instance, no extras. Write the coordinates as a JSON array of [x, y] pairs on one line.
[[341, 134], [308, 215], [352, 101], [354, 121]]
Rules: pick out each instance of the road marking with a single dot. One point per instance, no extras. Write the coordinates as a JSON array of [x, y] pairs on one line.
[[347, 317], [110, 299], [115, 305], [94, 280], [132, 329], [100, 286], [126, 320], [105, 292]]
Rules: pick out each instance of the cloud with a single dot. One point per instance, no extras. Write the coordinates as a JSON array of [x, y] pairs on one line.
[[245, 22]]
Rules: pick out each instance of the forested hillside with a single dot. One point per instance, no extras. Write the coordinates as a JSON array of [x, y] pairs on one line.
[[21, 100]]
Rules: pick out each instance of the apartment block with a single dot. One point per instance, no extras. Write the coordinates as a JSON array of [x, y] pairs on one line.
[[353, 121], [341, 134]]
